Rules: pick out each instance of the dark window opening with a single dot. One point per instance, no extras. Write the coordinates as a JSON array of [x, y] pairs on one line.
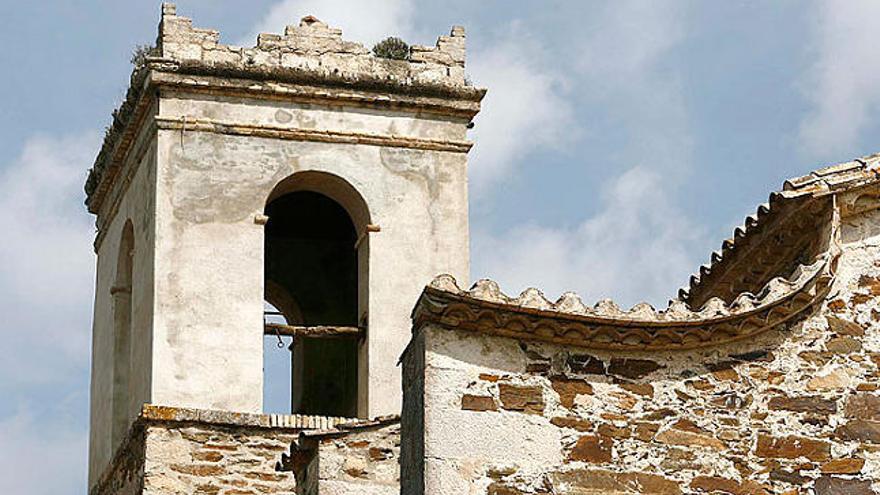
[[311, 275]]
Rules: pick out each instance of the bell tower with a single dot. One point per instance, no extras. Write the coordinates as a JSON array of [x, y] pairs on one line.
[[304, 174]]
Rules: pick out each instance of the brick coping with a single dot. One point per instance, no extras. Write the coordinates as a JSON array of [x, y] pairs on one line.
[[152, 412]]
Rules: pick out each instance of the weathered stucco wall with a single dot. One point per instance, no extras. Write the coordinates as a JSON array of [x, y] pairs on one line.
[[293, 115], [205, 133], [209, 272], [795, 410], [136, 203]]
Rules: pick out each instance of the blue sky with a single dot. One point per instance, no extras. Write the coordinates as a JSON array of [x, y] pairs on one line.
[[620, 142]]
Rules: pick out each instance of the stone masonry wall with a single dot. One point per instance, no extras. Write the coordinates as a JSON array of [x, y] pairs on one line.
[[314, 47], [211, 460], [795, 411], [364, 461], [125, 475], [176, 451]]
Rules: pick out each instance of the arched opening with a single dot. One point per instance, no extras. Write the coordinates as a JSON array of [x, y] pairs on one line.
[[313, 294], [121, 294]]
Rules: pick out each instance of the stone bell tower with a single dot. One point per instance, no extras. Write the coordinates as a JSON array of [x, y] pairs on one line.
[[304, 172]]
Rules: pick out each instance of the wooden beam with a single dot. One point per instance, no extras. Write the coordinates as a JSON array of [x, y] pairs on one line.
[[320, 331]]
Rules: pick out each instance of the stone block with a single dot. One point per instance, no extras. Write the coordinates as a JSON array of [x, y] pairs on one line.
[[843, 345], [592, 448], [585, 364], [528, 399], [688, 439], [643, 389], [843, 466], [714, 484], [844, 327], [478, 403], [632, 368], [830, 485], [792, 447], [572, 422], [596, 481], [860, 431], [863, 406], [568, 389], [809, 404]]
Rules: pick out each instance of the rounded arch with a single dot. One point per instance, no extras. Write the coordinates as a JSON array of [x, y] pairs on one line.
[[316, 271], [121, 293], [278, 296], [332, 186], [124, 260]]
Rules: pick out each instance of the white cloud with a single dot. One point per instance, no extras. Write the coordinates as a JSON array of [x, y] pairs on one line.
[[621, 62], [367, 22], [42, 214], [843, 85], [637, 246], [626, 38], [47, 275], [523, 112], [631, 250], [39, 458], [46, 281]]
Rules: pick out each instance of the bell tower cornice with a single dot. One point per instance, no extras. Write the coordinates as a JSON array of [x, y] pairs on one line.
[[308, 63]]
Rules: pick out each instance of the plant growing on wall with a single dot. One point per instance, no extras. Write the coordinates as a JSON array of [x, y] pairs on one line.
[[393, 48], [140, 53]]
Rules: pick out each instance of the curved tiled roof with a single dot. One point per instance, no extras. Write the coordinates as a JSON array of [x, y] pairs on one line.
[[782, 234], [779, 235], [568, 321]]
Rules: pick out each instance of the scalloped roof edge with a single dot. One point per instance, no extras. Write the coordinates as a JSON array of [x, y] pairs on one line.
[[570, 303]]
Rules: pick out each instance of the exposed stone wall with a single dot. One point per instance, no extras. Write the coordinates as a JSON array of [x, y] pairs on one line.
[[125, 474], [362, 461], [215, 460], [794, 411], [176, 450]]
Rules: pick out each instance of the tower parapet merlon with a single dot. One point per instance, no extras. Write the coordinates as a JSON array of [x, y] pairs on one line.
[[315, 47]]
